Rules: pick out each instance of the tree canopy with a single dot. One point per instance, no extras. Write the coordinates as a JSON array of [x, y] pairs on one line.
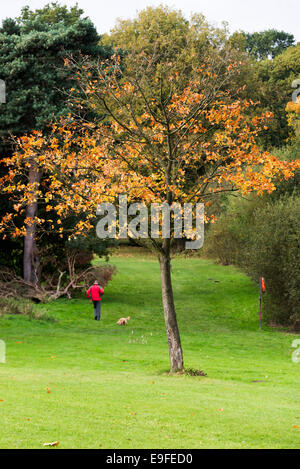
[[32, 52], [267, 44]]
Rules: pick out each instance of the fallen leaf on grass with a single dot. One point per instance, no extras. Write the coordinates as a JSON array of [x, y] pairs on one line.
[[48, 390], [220, 410], [54, 443], [1, 400], [132, 413], [296, 426]]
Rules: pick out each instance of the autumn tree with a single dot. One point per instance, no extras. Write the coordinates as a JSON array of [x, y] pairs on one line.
[[168, 132]]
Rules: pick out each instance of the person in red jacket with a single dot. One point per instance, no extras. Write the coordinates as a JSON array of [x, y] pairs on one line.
[[95, 293]]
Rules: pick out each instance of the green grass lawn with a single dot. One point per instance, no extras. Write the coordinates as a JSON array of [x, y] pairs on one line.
[[94, 384]]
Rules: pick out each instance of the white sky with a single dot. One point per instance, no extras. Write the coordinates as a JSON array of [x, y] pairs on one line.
[[248, 15]]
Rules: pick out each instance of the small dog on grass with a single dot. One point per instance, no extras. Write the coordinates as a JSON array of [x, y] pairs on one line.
[[123, 321]]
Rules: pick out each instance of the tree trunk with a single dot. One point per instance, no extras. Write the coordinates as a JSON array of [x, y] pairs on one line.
[[175, 350], [31, 262]]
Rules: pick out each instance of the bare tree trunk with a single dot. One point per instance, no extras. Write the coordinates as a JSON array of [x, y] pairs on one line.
[[31, 262], [175, 350]]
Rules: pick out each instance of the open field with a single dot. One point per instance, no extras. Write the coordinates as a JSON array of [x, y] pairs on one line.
[[99, 385]]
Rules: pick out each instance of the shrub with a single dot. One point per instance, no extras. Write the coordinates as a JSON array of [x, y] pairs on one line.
[[263, 238], [14, 306], [225, 239], [103, 274], [273, 251]]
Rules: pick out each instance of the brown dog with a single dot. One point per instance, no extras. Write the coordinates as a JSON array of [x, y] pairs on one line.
[[123, 321]]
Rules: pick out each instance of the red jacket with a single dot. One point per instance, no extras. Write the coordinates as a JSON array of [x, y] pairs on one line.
[[94, 292]]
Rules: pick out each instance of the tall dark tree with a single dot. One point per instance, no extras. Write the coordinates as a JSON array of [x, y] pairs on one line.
[[33, 48]]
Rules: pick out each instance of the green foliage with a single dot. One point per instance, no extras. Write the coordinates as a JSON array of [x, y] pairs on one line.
[[164, 32], [267, 44], [272, 65], [51, 14], [32, 52], [273, 251], [168, 29], [92, 244], [275, 91], [226, 238]]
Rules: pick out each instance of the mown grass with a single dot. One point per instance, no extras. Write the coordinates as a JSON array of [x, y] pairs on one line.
[[94, 384]]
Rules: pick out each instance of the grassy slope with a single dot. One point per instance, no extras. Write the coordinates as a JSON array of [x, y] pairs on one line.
[[108, 384]]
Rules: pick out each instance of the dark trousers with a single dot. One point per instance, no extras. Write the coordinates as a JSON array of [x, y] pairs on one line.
[[97, 309]]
